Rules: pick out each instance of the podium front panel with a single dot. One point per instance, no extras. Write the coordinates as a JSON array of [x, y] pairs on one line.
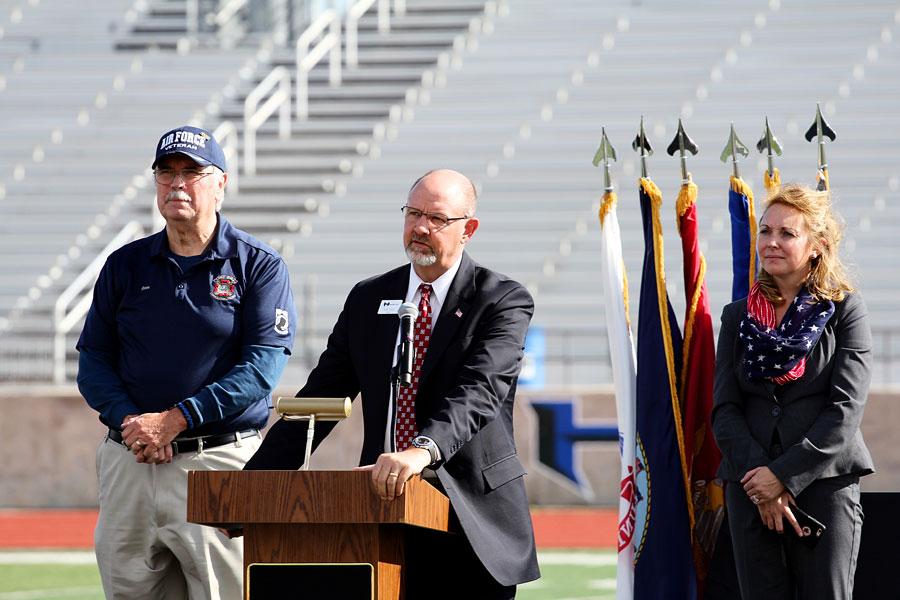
[[310, 581]]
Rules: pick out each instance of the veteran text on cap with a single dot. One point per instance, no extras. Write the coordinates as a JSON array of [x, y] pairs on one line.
[[195, 143]]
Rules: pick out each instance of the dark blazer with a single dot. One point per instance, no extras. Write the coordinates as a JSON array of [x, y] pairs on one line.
[[464, 403], [817, 416]]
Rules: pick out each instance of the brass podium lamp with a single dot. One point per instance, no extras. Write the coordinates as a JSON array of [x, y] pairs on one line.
[[312, 410]]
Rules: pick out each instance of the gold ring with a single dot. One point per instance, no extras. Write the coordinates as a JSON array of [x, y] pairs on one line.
[[393, 474]]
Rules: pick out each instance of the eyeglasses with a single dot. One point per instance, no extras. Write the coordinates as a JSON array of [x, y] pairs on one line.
[[435, 220], [167, 176]]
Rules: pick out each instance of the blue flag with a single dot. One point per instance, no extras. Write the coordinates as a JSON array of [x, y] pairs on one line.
[[664, 565], [743, 238]]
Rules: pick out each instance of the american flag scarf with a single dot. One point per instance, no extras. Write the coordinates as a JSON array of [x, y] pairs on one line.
[[778, 352]]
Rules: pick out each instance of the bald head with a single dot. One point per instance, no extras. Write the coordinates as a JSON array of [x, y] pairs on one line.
[[434, 245], [451, 185]]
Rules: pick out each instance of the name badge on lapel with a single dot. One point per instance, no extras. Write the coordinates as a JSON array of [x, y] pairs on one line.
[[389, 307]]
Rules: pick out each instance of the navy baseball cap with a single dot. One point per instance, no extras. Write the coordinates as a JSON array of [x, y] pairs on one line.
[[197, 144]]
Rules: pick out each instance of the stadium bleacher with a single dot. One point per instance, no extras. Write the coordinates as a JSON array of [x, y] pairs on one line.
[[512, 93]]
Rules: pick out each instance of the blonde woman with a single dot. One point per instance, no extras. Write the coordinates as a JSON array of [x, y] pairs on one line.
[[792, 377]]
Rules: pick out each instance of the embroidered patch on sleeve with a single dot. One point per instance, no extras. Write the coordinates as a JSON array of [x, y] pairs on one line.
[[282, 322]]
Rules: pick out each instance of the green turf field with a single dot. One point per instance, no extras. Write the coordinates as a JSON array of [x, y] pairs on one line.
[[581, 575], [49, 582]]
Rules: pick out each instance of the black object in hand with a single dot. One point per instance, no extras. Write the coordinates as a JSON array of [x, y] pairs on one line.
[[812, 527]]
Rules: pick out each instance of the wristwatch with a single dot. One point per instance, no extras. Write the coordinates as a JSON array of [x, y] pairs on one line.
[[426, 443]]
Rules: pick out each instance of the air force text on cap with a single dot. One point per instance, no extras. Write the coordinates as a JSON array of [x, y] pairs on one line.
[[186, 139]]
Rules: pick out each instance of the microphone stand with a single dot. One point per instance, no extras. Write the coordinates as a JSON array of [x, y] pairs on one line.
[[401, 372], [397, 380]]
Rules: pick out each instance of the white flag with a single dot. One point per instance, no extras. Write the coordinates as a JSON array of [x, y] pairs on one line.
[[621, 350]]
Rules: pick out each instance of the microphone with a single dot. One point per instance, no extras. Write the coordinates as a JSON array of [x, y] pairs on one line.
[[408, 314]]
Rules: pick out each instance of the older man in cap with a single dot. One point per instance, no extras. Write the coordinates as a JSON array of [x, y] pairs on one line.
[[188, 333]]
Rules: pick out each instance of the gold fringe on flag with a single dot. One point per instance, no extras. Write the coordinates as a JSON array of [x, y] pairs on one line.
[[739, 186], [687, 197], [655, 195], [607, 205]]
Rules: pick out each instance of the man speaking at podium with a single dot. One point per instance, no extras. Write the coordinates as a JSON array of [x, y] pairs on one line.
[[454, 422]]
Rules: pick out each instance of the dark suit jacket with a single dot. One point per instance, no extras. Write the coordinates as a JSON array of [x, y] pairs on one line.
[[817, 416], [464, 403]]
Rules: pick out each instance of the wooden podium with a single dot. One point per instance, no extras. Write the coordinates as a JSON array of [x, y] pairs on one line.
[[317, 517]]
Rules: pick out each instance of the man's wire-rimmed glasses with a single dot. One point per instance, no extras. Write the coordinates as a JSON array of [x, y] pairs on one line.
[[167, 176], [434, 220]]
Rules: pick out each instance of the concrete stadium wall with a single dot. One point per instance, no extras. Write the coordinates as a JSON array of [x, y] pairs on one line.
[[49, 436]]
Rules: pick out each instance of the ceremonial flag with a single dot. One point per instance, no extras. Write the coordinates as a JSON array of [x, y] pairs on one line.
[[664, 567], [696, 391], [743, 238], [621, 351]]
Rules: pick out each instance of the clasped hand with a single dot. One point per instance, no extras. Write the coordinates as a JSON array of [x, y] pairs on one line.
[[761, 485], [149, 436], [771, 498]]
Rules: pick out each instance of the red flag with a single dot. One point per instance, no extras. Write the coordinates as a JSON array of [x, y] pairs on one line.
[[696, 393]]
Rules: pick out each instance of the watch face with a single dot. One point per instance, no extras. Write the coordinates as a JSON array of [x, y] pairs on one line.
[[420, 442]]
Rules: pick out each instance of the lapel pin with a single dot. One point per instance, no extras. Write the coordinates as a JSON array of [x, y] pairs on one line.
[[458, 313]]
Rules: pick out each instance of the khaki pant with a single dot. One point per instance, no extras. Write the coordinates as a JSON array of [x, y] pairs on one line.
[[145, 547]]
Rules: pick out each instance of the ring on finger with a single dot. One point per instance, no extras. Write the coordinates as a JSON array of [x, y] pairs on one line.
[[392, 474], [754, 499]]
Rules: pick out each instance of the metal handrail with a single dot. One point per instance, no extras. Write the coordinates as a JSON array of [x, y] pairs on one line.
[[228, 12], [64, 318], [192, 17], [308, 58], [227, 136], [225, 16], [254, 117], [355, 14]]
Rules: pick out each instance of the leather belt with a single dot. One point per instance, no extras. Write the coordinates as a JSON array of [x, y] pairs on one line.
[[198, 444]]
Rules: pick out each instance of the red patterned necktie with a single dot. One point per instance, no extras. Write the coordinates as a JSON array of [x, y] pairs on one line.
[[406, 403]]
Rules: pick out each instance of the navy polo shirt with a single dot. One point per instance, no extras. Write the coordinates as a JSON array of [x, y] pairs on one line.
[[169, 333]]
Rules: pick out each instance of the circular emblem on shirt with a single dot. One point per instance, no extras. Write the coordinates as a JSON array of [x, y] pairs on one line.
[[223, 287]]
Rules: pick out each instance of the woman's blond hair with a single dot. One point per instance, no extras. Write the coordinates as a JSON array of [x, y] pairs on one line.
[[827, 279]]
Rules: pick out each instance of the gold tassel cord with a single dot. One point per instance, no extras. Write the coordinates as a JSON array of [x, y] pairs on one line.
[[773, 182]]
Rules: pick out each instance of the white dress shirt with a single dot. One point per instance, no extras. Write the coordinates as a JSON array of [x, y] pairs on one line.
[[440, 287]]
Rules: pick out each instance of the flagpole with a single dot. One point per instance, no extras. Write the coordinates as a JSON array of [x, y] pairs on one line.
[[820, 130], [743, 220], [768, 145], [622, 355]]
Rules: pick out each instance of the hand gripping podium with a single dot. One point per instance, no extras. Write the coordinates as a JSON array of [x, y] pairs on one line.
[[317, 534]]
